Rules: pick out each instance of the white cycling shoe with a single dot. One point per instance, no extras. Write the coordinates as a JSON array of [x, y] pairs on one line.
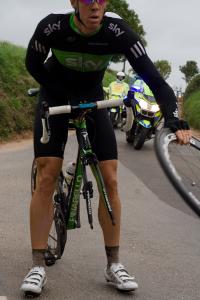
[[34, 281], [117, 275]]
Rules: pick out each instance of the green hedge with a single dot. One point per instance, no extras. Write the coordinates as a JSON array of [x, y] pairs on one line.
[[192, 110], [16, 108]]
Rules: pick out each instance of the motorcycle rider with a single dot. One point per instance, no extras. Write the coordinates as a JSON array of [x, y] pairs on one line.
[[116, 90], [82, 43]]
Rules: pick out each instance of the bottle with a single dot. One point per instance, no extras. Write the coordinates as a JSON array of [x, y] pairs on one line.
[[69, 172]]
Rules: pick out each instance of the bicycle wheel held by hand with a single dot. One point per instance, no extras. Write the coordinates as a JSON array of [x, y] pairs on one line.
[[181, 164], [58, 234]]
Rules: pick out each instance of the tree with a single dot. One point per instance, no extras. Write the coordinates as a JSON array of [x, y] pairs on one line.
[[121, 8], [193, 87], [189, 70], [163, 67]]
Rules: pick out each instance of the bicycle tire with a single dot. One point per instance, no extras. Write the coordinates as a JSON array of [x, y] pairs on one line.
[[181, 164], [33, 176], [130, 135], [140, 137], [58, 233]]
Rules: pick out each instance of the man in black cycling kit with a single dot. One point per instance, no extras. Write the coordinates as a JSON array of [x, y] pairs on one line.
[[82, 42]]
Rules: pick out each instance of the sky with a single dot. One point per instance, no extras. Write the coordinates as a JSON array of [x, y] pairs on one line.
[[172, 27]]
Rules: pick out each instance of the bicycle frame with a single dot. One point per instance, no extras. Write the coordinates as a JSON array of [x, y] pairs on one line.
[[85, 157]]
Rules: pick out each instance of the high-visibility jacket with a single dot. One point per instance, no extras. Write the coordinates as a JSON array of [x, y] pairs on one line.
[[118, 89]]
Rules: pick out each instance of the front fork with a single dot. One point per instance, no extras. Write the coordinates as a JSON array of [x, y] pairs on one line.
[[89, 158], [86, 157], [87, 192]]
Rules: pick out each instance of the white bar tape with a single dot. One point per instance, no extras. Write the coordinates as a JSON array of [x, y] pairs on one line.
[[109, 103], [63, 109], [129, 119]]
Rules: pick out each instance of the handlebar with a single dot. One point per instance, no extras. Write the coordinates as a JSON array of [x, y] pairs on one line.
[[67, 109]]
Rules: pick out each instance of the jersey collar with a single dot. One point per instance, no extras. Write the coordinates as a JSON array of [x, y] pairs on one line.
[[75, 28]]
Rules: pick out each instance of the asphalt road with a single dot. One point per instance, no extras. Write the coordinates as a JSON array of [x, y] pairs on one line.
[[160, 236]]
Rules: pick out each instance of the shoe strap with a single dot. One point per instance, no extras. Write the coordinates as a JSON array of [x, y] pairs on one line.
[[35, 276], [123, 274]]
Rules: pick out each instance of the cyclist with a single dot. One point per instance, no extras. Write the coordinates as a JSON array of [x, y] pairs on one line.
[[82, 42]]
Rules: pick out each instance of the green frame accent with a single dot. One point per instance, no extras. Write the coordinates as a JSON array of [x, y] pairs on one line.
[[74, 196]]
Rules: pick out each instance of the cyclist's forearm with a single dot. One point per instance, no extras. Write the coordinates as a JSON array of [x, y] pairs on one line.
[[35, 66]]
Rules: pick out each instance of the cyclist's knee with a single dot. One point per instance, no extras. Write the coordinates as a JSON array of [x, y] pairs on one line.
[[48, 171], [46, 184], [111, 184], [109, 173]]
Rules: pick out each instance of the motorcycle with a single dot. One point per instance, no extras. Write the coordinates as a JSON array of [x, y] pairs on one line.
[[117, 115], [147, 114]]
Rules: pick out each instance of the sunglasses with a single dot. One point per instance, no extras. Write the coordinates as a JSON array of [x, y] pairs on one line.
[[88, 2]]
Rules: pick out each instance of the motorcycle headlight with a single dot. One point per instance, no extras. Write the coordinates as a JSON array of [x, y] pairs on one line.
[[143, 104], [155, 108]]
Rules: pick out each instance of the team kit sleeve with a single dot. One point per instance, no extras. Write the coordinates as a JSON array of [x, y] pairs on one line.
[[135, 52], [37, 52]]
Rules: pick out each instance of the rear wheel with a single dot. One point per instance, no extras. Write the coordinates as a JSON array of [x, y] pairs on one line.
[[58, 234], [33, 176]]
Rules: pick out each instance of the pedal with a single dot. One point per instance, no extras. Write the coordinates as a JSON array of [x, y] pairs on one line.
[[49, 258]]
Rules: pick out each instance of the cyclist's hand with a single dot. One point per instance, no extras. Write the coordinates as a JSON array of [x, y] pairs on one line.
[[183, 136], [181, 129]]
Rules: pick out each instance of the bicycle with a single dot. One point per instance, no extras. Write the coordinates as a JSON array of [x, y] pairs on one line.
[[67, 205], [181, 164]]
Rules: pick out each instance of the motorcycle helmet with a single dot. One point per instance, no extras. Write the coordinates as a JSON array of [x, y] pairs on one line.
[[120, 76]]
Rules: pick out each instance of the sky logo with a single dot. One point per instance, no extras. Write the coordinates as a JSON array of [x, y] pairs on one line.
[[116, 29], [51, 28]]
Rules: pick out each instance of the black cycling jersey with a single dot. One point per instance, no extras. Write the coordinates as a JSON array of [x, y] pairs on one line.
[[77, 63]]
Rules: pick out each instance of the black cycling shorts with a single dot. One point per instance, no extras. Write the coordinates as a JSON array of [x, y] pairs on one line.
[[100, 131]]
